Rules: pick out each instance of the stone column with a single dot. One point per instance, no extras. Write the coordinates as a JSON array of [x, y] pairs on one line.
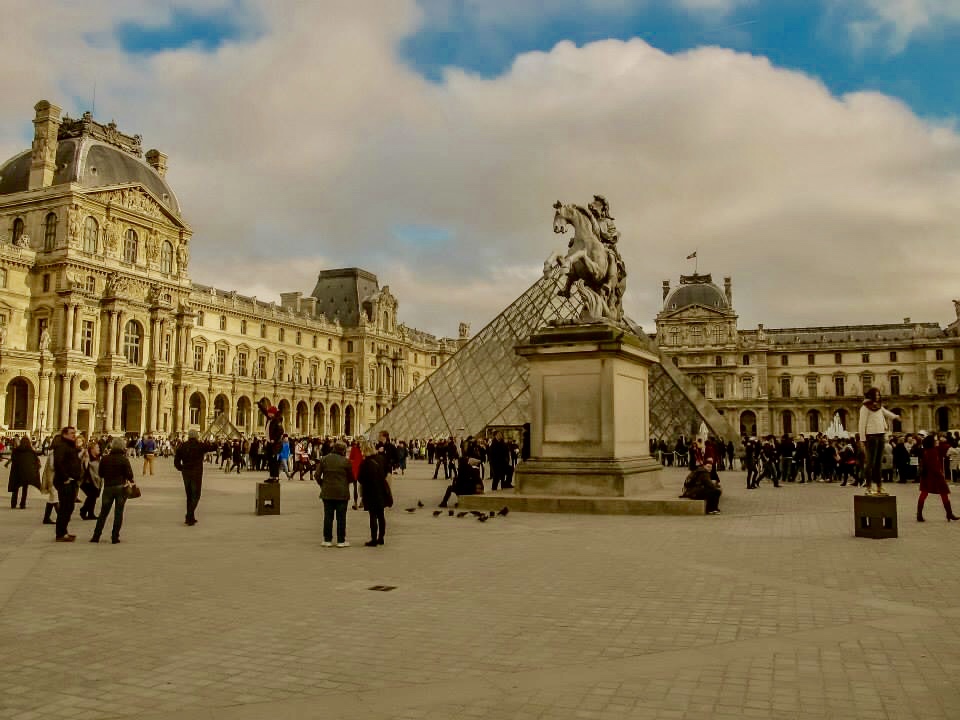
[[68, 326], [149, 406], [158, 402], [42, 401], [117, 402], [118, 340], [110, 332], [108, 404], [73, 399], [64, 417], [152, 353], [175, 418], [77, 324], [51, 401], [184, 413]]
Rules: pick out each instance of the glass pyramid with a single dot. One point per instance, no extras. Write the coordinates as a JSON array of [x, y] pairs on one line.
[[485, 382]]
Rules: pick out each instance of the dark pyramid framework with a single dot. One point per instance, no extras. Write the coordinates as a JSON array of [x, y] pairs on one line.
[[486, 383]]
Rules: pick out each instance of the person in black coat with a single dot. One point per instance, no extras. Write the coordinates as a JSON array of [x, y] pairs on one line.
[[189, 461], [372, 478], [24, 471], [700, 485], [67, 472], [115, 472]]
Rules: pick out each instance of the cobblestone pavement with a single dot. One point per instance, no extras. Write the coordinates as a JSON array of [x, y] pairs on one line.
[[770, 610]]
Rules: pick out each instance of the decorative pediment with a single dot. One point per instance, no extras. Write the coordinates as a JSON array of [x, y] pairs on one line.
[[695, 312], [135, 199]]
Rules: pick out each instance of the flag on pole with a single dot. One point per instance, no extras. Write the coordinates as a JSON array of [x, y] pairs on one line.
[[692, 255]]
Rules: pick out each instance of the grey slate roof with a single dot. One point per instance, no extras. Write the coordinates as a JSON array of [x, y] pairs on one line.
[[340, 293], [93, 164]]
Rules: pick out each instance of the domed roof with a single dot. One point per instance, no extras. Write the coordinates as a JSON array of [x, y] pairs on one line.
[[91, 163], [696, 290]]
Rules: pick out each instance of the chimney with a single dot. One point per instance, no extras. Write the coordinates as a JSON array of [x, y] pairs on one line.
[[46, 123], [728, 289], [158, 161], [666, 289]]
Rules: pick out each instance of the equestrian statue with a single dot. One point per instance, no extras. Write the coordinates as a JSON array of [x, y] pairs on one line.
[[593, 265]]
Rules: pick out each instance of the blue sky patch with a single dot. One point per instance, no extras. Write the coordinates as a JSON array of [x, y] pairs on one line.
[[811, 36], [187, 28]]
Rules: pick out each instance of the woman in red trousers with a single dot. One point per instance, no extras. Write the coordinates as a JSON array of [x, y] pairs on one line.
[[931, 476]]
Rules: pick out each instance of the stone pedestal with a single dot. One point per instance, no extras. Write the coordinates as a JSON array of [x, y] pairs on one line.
[[875, 516], [590, 427], [268, 498]]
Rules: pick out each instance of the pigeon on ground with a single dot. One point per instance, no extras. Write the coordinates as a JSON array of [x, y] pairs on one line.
[[450, 513], [492, 513], [410, 509], [437, 513], [477, 513], [482, 518], [461, 514], [503, 511], [419, 504]]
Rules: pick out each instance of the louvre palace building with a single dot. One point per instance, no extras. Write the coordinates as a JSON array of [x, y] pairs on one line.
[[102, 328], [796, 380]]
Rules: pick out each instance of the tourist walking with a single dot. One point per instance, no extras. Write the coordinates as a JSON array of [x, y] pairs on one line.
[[149, 450], [334, 476], [356, 457], [24, 472], [189, 461], [115, 473], [932, 480], [873, 428], [46, 481], [375, 489], [66, 479], [91, 484]]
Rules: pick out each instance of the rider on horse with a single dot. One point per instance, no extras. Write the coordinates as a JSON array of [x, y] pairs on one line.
[[608, 234]]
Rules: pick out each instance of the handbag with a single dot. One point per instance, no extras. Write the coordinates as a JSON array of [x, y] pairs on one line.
[[131, 490]]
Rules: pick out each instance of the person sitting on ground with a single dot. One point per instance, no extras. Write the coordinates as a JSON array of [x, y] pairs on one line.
[[700, 485], [467, 480]]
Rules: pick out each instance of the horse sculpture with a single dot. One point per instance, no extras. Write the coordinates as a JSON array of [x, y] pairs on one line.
[[589, 265]]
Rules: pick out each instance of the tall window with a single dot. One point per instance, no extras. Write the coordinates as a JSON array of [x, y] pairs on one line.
[[328, 375], [941, 380], [867, 381], [166, 257], [50, 232], [91, 285], [348, 377], [373, 379], [865, 358], [132, 340], [91, 232], [837, 359], [893, 356], [697, 334], [811, 359], [785, 386], [17, 231], [3, 277], [198, 357], [130, 246], [674, 336], [242, 363], [223, 322], [718, 360], [812, 386], [200, 318], [433, 360], [718, 334], [299, 337], [221, 361], [86, 338], [166, 347], [281, 366], [939, 354], [297, 370], [747, 384], [700, 383], [838, 386], [243, 327], [745, 360], [329, 342], [718, 388], [263, 330], [894, 384], [280, 334], [262, 366], [42, 325], [349, 346], [784, 360]]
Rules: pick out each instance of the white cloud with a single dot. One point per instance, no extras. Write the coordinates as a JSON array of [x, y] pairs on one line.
[[895, 22], [314, 143]]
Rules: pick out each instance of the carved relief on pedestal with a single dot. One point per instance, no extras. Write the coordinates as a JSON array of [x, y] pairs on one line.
[[111, 242], [183, 257], [153, 246], [74, 227]]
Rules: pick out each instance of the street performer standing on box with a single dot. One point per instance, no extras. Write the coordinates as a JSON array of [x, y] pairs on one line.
[[274, 442]]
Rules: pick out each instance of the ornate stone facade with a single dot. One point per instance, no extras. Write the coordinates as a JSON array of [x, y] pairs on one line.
[[103, 329], [776, 380]]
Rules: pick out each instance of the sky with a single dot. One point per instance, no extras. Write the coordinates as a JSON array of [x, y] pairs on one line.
[[807, 148]]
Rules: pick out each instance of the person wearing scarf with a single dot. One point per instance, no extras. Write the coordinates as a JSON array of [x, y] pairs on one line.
[[872, 429]]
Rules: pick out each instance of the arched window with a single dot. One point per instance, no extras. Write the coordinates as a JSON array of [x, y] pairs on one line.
[[130, 246], [166, 257], [132, 340], [50, 232], [17, 231], [90, 233]]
